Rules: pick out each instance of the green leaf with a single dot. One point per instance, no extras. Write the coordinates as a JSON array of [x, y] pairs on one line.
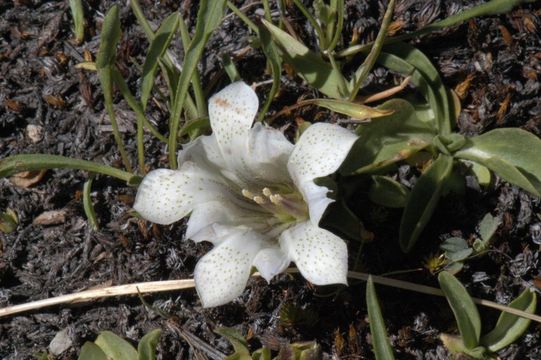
[[88, 206], [423, 200], [275, 61], [309, 65], [513, 154], [482, 173], [425, 77], [465, 311], [237, 340], [31, 162], [382, 347], [510, 327], [147, 345], [209, 18], [388, 192], [388, 139], [368, 63], [8, 221], [156, 50], [488, 227], [262, 354], [349, 108], [109, 38], [91, 351], [456, 249], [77, 12], [115, 347]]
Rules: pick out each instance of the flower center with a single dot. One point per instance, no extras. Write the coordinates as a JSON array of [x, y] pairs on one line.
[[286, 206]]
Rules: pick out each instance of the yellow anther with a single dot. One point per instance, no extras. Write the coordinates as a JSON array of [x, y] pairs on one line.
[[247, 194], [259, 200], [267, 192], [276, 199]]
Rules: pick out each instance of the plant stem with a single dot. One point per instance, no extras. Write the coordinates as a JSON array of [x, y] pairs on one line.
[[31, 162]]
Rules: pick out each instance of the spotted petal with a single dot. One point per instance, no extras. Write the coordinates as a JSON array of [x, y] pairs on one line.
[[319, 152], [271, 262], [221, 275], [231, 113], [320, 256], [166, 196]]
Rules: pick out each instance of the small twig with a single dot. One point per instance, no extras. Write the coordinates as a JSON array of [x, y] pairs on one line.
[[170, 285], [88, 295]]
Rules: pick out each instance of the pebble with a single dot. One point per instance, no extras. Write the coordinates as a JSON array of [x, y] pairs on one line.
[[34, 133], [60, 343]]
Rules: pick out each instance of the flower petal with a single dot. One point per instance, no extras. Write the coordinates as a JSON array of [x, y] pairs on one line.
[[221, 275], [207, 220], [165, 196], [319, 152], [265, 159], [231, 113], [321, 256], [271, 262], [202, 150]]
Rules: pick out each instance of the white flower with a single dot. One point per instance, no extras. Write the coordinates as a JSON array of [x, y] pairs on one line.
[[252, 194]]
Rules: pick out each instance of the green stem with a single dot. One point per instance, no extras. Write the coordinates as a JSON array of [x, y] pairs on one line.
[[196, 78], [135, 105], [368, 64], [315, 25], [243, 17], [32, 162], [105, 75]]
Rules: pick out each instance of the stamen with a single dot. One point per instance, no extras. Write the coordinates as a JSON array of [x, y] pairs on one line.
[[267, 192], [260, 200], [276, 199], [247, 194]]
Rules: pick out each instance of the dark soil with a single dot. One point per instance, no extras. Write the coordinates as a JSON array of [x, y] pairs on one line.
[[495, 62]]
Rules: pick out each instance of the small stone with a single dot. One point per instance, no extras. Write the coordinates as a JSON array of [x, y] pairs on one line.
[[60, 343], [51, 217], [34, 133]]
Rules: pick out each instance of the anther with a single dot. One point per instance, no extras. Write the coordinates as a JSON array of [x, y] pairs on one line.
[[247, 194], [267, 192], [276, 199], [260, 200]]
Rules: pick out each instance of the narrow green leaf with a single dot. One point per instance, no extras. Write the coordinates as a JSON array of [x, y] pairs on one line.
[[423, 200], [309, 65], [510, 327], [388, 192], [388, 139], [135, 105], [147, 345], [513, 154], [275, 61], [156, 50], [109, 38], [31, 162], [464, 309], [368, 63], [77, 12], [91, 351], [382, 347], [88, 206], [346, 107], [115, 347], [209, 17], [230, 68], [339, 5]]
